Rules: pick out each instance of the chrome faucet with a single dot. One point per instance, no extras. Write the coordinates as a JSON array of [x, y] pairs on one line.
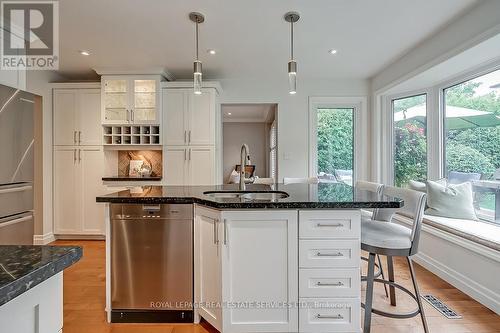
[[244, 157]]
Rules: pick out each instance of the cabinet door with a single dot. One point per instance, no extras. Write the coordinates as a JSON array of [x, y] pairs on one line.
[[176, 164], [66, 196], [145, 101], [201, 166], [175, 115], [15, 78], [263, 271], [208, 293], [91, 166], [89, 114], [201, 118], [115, 100], [65, 117]]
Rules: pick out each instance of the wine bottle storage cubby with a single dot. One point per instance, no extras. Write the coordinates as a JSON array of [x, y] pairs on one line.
[[131, 135]]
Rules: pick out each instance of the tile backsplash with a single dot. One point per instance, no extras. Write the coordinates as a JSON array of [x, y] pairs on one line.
[[154, 157]]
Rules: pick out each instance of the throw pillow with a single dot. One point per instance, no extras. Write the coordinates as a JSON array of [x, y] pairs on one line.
[[452, 200]]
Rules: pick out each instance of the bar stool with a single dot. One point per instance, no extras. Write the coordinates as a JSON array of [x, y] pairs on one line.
[[369, 190], [383, 237]]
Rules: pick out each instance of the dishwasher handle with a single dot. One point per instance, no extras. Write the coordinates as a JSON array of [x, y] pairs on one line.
[[151, 208]]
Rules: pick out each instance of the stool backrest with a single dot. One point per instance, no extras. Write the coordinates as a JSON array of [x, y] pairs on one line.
[[363, 188], [310, 180], [266, 181], [414, 205]]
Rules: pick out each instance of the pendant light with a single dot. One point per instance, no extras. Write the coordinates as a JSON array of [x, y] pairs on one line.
[[197, 18], [292, 17]]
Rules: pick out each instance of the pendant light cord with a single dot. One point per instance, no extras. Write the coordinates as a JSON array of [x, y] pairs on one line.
[[197, 41], [291, 39]]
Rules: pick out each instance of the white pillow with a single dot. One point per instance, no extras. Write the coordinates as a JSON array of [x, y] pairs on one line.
[[421, 186], [452, 200], [234, 177]]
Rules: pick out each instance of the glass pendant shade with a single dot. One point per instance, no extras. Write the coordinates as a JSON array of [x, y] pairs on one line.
[[292, 77], [197, 77]]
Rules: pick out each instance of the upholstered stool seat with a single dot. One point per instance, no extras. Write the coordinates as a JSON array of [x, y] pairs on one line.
[[386, 235]]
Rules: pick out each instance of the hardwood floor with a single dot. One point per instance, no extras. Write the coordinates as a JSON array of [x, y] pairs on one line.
[[84, 302]]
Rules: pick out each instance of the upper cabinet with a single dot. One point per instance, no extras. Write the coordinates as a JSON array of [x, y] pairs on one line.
[[130, 99], [76, 116], [189, 119]]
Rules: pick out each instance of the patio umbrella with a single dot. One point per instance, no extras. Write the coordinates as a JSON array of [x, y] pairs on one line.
[[456, 117]]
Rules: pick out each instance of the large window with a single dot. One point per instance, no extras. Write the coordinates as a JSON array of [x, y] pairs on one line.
[[410, 139], [472, 135], [335, 145]]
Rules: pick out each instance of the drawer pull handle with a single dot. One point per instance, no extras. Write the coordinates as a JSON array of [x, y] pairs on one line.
[[323, 225], [336, 284], [339, 316], [338, 254]]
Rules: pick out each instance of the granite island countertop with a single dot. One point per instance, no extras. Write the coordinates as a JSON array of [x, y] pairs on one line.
[[301, 196], [23, 267]]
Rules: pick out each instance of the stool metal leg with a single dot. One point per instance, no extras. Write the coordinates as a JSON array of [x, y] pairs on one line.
[[392, 290], [417, 294], [369, 293], [382, 274]]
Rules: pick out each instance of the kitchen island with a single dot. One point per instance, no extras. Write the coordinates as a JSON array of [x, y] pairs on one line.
[[31, 286], [280, 258]]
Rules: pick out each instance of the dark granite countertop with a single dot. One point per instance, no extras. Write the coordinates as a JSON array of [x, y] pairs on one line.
[[301, 196], [131, 178], [22, 267]]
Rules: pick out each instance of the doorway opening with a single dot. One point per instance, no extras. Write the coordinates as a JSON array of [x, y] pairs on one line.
[[257, 126]]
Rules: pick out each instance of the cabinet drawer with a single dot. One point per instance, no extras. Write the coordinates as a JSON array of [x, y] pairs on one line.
[[329, 253], [329, 224], [330, 315], [329, 282]]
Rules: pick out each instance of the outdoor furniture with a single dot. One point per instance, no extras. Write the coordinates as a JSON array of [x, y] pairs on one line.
[[491, 186], [455, 177], [381, 236]]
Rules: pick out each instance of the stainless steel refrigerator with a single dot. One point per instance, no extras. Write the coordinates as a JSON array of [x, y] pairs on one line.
[[16, 166]]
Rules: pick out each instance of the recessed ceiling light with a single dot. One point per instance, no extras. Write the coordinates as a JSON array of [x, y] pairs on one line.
[[229, 113], [84, 52], [332, 51], [211, 51]]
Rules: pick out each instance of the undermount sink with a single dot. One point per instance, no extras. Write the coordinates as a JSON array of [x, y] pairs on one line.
[[248, 195]]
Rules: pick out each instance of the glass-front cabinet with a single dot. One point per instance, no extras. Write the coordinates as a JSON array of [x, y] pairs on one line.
[[130, 99]]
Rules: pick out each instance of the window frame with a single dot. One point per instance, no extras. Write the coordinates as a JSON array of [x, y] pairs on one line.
[[360, 131]]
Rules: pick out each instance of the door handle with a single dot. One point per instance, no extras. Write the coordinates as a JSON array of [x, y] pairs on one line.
[[185, 154], [190, 154], [215, 232], [79, 155], [225, 231], [189, 136], [79, 137], [74, 156], [128, 115], [74, 137], [185, 136], [132, 113]]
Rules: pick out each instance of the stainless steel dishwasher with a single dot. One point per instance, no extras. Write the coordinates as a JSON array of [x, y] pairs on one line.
[[151, 263]]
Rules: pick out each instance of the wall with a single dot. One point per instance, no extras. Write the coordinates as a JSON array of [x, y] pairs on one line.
[[254, 135], [37, 82], [292, 112]]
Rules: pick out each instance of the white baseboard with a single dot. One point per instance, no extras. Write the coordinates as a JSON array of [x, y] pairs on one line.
[[470, 287], [43, 239]]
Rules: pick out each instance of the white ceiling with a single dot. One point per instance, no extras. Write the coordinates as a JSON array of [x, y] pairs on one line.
[[248, 113], [251, 37]]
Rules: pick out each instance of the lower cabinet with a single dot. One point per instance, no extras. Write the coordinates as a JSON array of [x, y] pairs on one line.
[[189, 165], [77, 182], [255, 253], [37, 310], [250, 274]]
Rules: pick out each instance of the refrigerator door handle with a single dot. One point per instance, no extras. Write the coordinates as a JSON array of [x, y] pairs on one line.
[[16, 189]]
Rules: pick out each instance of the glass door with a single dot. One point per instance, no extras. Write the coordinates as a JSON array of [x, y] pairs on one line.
[[144, 99], [116, 101]]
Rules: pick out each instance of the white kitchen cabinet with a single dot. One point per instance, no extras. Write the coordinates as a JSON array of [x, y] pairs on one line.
[[77, 117], [263, 271], [39, 309], [130, 99], [189, 118], [77, 182], [207, 267], [189, 165]]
